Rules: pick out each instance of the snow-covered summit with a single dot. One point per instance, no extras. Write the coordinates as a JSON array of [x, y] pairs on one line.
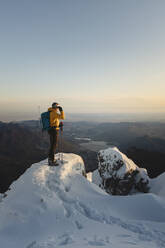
[[52, 207]]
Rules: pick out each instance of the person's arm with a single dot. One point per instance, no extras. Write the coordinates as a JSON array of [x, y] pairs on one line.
[[61, 115]]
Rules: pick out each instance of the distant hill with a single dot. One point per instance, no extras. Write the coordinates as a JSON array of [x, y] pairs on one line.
[[143, 142], [153, 161], [22, 145], [19, 148]]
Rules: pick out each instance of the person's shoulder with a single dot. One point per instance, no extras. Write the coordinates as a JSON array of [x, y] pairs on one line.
[[50, 109]]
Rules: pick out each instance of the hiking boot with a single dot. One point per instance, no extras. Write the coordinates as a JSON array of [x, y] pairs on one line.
[[52, 163], [56, 162]]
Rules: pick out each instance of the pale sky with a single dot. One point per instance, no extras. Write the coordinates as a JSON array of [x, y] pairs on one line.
[[89, 55]]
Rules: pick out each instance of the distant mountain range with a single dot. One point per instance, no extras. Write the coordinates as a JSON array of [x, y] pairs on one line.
[[19, 148], [23, 143]]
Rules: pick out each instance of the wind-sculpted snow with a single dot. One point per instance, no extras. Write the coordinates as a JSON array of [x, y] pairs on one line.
[[158, 185], [52, 207]]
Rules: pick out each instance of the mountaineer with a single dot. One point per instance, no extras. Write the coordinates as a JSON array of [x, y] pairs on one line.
[[56, 114]]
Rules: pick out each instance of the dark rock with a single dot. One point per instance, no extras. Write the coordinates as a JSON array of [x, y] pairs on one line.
[[119, 175]]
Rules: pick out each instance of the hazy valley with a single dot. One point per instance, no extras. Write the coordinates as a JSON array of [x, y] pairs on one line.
[[24, 143]]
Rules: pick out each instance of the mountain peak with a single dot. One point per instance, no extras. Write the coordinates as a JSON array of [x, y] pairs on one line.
[[58, 207]]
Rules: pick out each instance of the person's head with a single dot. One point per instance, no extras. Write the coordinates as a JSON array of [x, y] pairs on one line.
[[55, 105]]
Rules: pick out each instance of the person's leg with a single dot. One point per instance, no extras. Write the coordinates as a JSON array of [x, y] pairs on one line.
[[51, 149], [55, 144]]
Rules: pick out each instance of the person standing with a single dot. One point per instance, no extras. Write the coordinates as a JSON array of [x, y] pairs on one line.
[[56, 114]]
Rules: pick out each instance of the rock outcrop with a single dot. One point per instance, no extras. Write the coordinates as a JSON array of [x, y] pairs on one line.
[[119, 175]]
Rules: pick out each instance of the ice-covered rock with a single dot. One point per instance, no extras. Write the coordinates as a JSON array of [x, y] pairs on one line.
[[119, 175]]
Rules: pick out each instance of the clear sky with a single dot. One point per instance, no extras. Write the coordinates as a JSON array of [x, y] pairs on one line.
[[88, 55]]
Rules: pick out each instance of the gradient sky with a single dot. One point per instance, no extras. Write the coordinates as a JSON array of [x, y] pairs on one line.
[[88, 55]]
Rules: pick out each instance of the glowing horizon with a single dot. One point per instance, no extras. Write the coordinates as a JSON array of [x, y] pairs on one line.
[[90, 56]]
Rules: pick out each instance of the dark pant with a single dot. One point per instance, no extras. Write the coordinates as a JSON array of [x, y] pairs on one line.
[[53, 133]]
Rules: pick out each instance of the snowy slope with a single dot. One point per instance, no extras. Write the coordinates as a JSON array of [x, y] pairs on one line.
[[51, 207], [158, 185]]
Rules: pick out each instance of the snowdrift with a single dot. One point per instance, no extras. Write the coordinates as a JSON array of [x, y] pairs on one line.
[[158, 185], [52, 207]]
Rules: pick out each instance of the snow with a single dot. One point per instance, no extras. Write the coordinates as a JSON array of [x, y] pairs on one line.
[[52, 207], [158, 185], [113, 155], [119, 175], [85, 139]]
